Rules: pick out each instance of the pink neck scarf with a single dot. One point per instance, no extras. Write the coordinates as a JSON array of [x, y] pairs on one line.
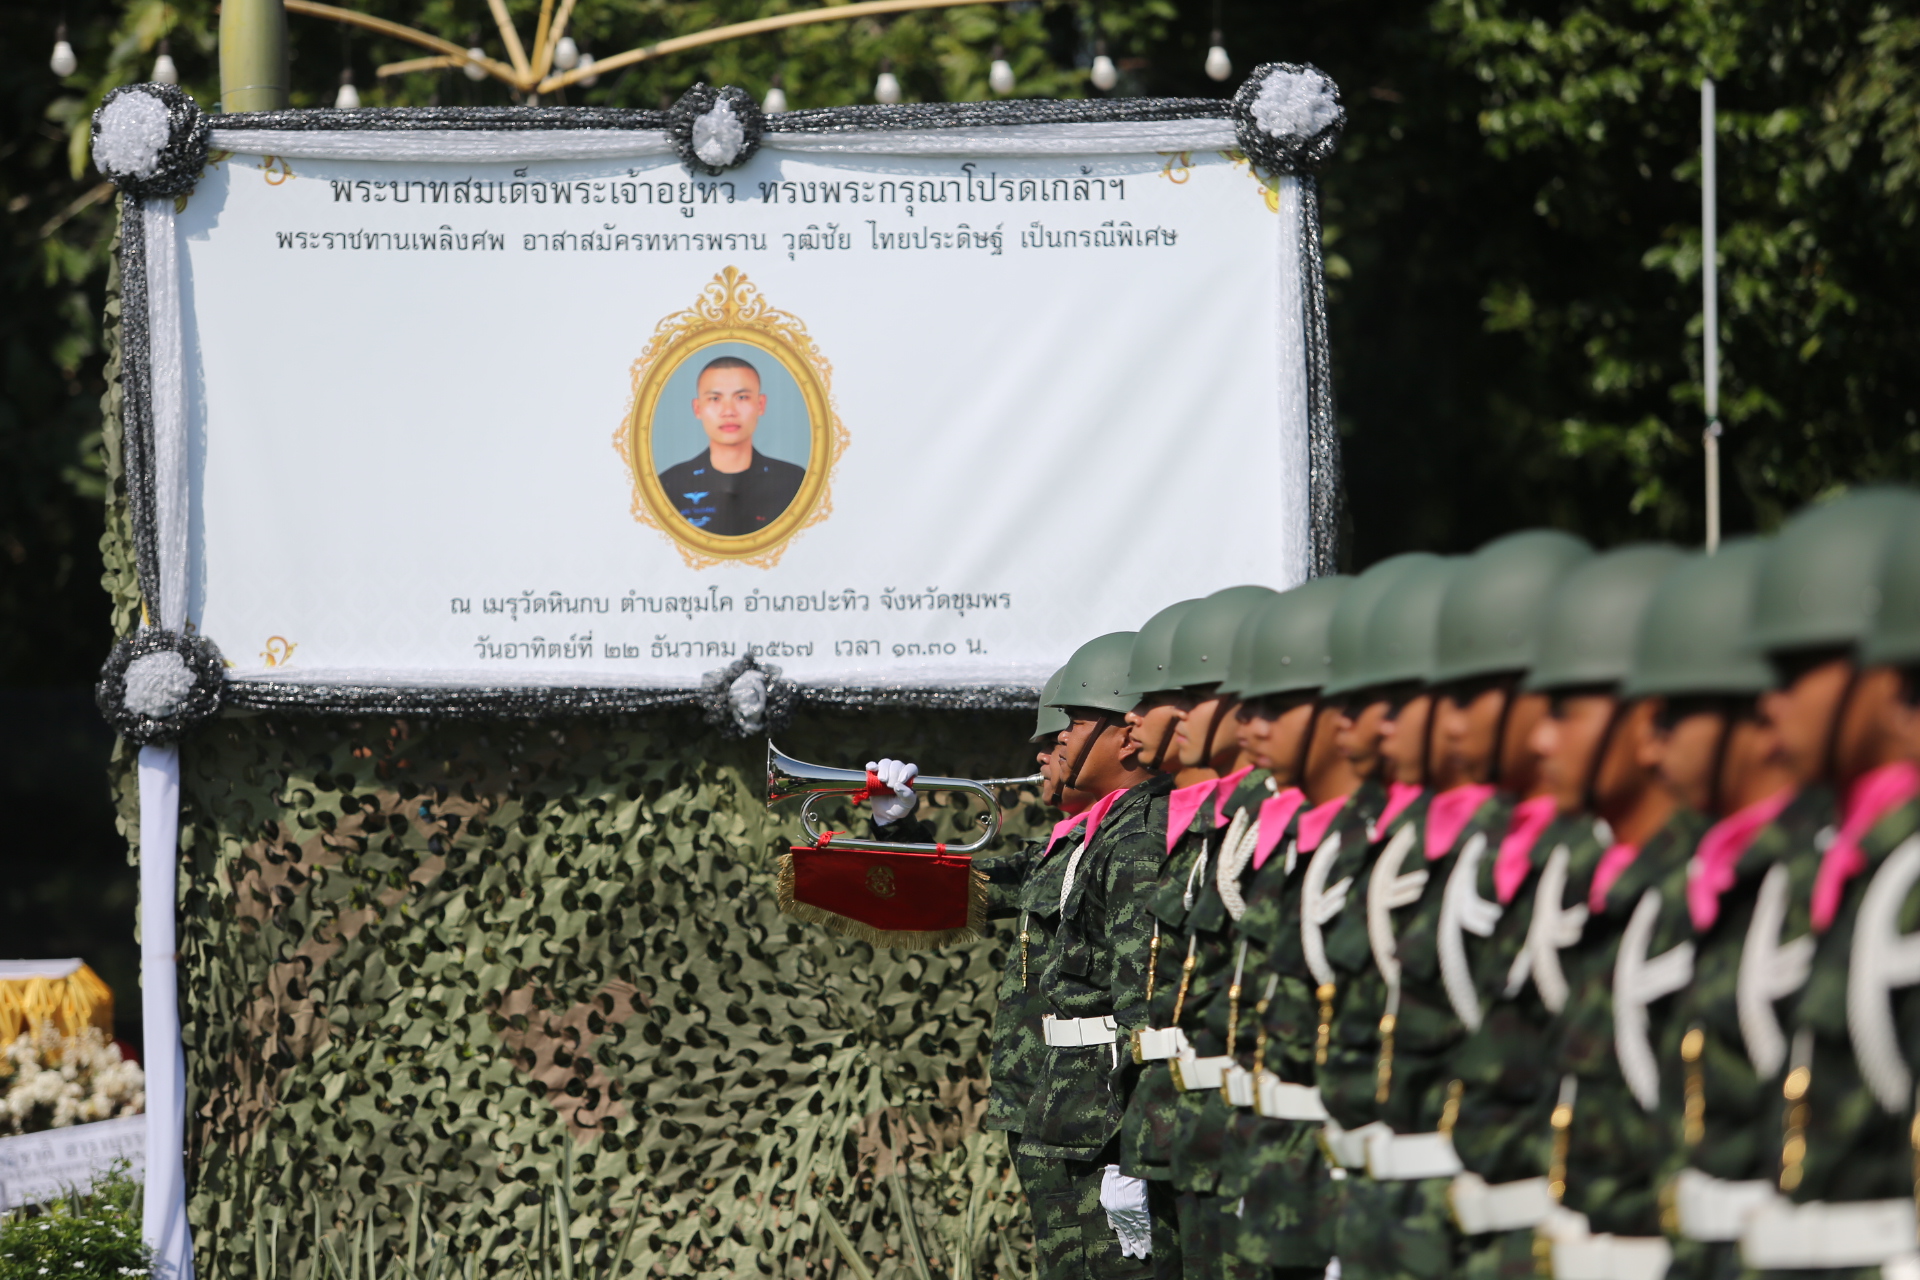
[[1449, 811], [1515, 859], [1711, 872], [1276, 812], [1399, 796], [1183, 804], [1228, 785], [1868, 800], [1613, 864], [1094, 812], [1315, 821]]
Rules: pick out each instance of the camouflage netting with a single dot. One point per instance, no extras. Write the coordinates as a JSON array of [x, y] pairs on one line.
[[437, 961]]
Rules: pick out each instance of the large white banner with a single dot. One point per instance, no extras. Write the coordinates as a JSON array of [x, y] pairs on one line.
[[547, 409]]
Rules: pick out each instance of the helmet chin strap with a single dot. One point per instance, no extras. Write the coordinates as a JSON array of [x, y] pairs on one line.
[[1306, 747], [1589, 790], [1426, 739], [1500, 735], [1101, 723], [1717, 780], [1213, 723], [1160, 749], [1830, 756]]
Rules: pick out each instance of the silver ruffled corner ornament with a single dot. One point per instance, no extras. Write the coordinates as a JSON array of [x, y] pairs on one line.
[[156, 685], [1288, 117], [715, 130], [150, 140], [747, 699]]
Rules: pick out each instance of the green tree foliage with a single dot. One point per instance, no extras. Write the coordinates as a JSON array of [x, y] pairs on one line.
[[1597, 105]]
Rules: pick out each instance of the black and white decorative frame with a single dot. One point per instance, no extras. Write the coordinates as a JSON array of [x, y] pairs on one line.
[[152, 141]]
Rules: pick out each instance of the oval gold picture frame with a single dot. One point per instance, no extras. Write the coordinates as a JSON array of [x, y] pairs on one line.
[[732, 309]]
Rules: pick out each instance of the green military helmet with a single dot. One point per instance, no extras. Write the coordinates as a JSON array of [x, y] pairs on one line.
[[1403, 631], [1820, 581], [1693, 635], [1203, 644], [1288, 651], [1153, 650], [1592, 619], [1242, 651], [1096, 675], [1052, 721], [1894, 638], [1353, 619], [1490, 619]]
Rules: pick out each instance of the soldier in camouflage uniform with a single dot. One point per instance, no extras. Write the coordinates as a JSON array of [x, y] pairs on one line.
[[1715, 758], [1093, 978], [1389, 1077], [1600, 752], [1270, 1165], [1026, 884], [1517, 889], [1186, 909], [1845, 1146]]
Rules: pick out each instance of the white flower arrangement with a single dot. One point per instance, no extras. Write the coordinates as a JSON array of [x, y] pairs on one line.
[[50, 1081]]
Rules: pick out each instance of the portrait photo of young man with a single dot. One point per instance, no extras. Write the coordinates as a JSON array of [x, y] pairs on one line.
[[730, 488]]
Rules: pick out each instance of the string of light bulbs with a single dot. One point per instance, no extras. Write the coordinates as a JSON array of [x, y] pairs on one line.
[[577, 64]]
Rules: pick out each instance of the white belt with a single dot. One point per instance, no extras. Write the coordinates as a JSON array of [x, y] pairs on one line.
[[1075, 1033], [1157, 1044], [1612, 1258], [1191, 1073], [1278, 1100], [1407, 1157], [1713, 1209], [1578, 1255], [1238, 1086], [1480, 1206], [1860, 1233], [1348, 1148]]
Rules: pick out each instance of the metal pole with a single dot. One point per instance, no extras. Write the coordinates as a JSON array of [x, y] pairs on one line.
[[1710, 306], [253, 55]]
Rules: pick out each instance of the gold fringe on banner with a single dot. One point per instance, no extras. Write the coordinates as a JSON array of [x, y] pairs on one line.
[[904, 939], [78, 1000]]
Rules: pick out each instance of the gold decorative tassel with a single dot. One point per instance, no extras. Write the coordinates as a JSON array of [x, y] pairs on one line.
[[1325, 1035], [1153, 959], [1186, 977], [1023, 952], [1450, 1114], [1692, 1045], [1383, 1071], [904, 939], [1793, 1147]]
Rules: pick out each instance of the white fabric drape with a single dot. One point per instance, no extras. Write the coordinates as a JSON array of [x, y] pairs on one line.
[[444, 144], [164, 1213], [166, 373], [164, 1216]]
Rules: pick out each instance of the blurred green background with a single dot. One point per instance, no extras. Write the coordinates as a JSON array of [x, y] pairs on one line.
[[1513, 260]]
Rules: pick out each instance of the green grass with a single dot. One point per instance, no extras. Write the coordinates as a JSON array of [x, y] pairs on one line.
[[90, 1236]]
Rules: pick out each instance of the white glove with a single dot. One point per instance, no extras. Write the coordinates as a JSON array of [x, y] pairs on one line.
[[899, 775], [1125, 1200]]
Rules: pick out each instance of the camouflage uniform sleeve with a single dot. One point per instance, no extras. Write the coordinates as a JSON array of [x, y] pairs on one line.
[[1857, 1145], [1130, 876], [1615, 1144], [1509, 1078], [1006, 873], [1348, 1079]]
